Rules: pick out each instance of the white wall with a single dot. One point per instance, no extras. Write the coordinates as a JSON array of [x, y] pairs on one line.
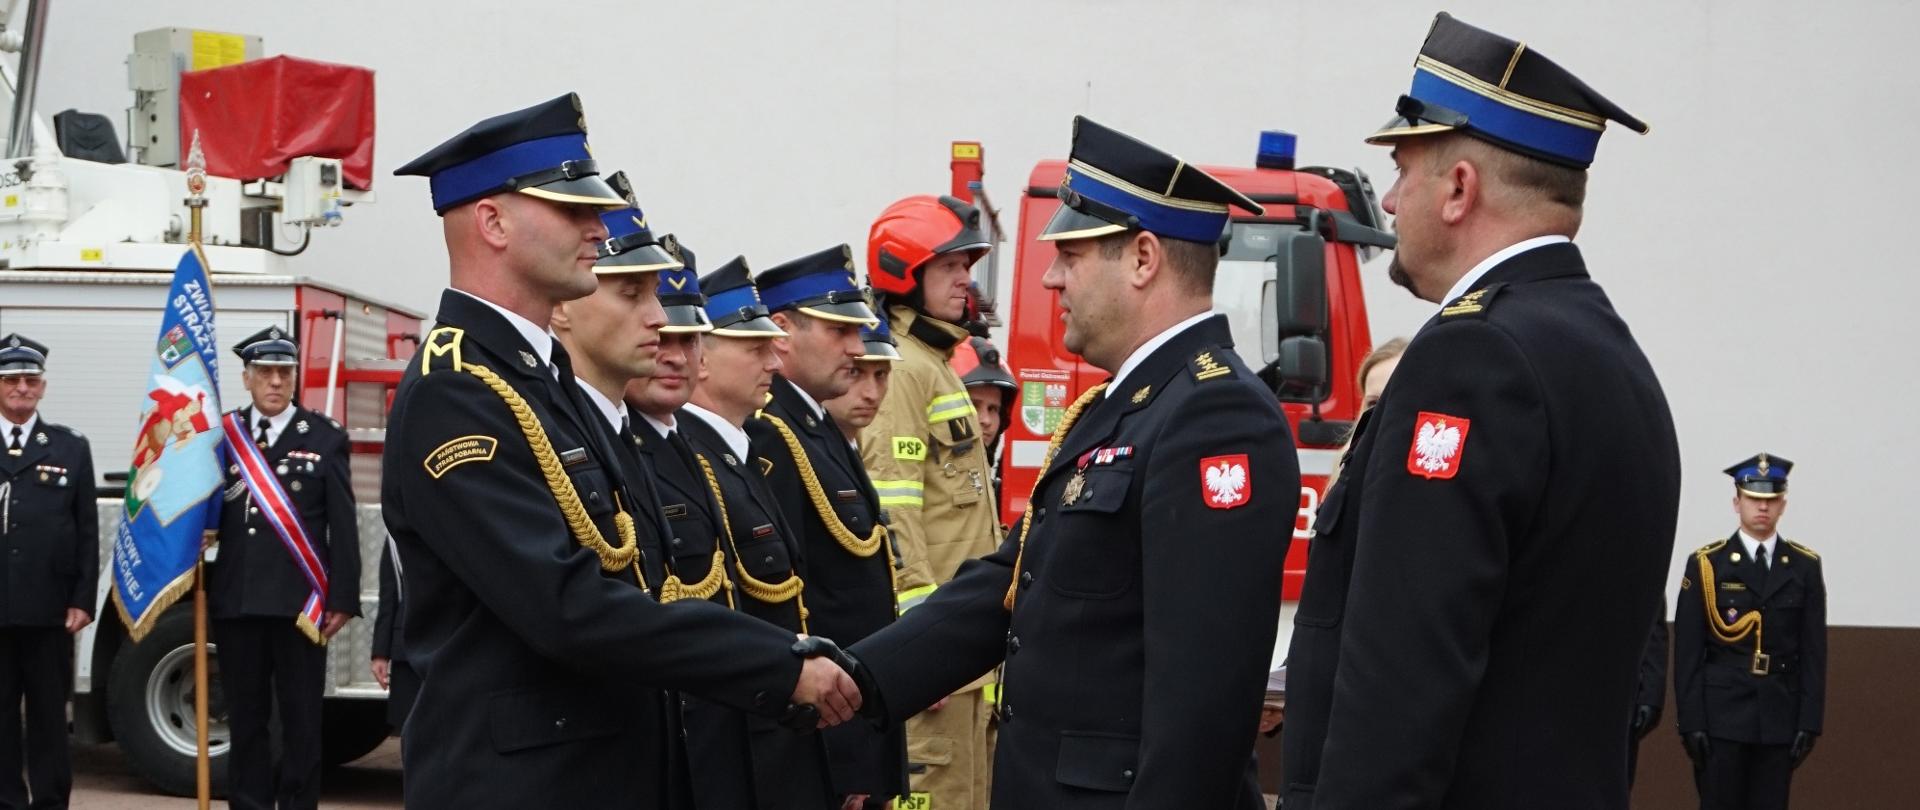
[[1746, 238]]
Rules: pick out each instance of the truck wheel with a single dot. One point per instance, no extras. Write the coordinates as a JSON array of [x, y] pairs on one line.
[[150, 706], [351, 729]]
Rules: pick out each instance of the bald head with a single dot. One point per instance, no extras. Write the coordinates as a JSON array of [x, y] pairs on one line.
[[523, 253]]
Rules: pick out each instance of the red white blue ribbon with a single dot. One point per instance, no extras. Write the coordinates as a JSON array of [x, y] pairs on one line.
[[274, 503]]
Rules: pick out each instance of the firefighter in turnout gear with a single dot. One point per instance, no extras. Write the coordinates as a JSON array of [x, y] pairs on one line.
[[928, 459], [1750, 650]]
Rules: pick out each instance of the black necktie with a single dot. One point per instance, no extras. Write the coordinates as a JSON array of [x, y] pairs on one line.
[[16, 446], [262, 438], [1760, 556]]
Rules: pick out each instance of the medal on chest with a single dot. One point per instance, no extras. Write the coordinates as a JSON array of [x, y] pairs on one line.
[[1076, 486]]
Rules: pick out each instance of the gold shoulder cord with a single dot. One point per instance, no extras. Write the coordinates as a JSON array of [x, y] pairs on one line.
[[758, 590], [853, 544], [1736, 631], [673, 590], [1026, 519], [612, 558]]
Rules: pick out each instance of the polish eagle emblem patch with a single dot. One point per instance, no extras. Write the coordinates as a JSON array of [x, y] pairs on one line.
[[1438, 440], [1225, 481]]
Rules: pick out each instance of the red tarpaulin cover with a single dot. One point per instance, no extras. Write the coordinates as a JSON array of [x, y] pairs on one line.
[[257, 116]]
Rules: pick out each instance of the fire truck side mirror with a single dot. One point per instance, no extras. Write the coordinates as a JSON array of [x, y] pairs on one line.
[[1300, 276], [1299, 316], [1302, 369]]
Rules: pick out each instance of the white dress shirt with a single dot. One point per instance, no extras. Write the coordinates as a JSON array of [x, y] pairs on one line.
[[665, 428], [1140, 355], [1757, 549], [540, 339], [275, 423], [615, 412], [735, 437], [1466, 282], [26, 430]]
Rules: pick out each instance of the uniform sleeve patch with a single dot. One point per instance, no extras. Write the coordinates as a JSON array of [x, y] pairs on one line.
[[1226, 481], [1438, 444], [460, 451], [909, 448]]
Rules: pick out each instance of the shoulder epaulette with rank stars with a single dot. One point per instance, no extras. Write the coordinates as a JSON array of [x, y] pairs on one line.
[[1802, 549], [1473, 303], [442, 342], [1204, 367], [1711, 547]]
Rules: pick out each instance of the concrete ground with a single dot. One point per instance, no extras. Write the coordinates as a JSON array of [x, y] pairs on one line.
[[103, 781]]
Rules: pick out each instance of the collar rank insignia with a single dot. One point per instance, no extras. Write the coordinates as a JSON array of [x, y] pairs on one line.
[[40, 438], [1473, 303], [731, 461], [1142, 394], [300, 426], [528, 358], [1206, 368], [811, 422]]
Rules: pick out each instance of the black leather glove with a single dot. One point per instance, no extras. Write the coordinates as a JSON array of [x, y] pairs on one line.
[[1644, 717], [871, 706], [1698, 747], [1802, 746]]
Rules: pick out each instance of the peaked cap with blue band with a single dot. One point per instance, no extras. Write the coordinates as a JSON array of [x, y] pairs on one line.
[[630, 246], [271, 346], [1500, 91], [733, 303], [879, 342], [1115, 182], [22, 356], [1763, 476], [680, 292], [540, 151], [818, 284]]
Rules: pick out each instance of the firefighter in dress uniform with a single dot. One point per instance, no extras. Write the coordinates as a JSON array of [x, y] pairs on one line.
[[1750, 650], [928, 457], [49, 562], [847, 553], [1483, 574], [711, 392], [273, 656], [545, 660], [1134, 605]]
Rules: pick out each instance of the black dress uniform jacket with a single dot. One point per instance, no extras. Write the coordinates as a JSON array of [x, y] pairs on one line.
[[1472, 641], [1715, 688], [1136, 655], [788, 768], [542, 673], [849, 597], [50, 525], [253, 575]]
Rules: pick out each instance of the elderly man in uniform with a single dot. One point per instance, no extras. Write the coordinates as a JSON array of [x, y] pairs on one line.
[[544, 657], [49, 560], [1135, 604], [721, 379], [1485, 570], [273, 658], [847, 554], [1750, 650]]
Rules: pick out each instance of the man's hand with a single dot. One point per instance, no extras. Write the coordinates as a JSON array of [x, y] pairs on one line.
[[332, 623], [381, 668], [1271, 716], [77, 619], [1697, 748], [1643, 719], [1802, 746], [826, 687]]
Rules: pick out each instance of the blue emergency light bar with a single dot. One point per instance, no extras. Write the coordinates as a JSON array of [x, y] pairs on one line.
[[1276, 150]]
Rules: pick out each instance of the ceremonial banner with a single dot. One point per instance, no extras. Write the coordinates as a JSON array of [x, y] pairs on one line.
[[170, 502]]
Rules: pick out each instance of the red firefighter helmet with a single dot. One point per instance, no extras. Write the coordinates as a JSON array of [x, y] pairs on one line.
[[913, 231], [977, 361]]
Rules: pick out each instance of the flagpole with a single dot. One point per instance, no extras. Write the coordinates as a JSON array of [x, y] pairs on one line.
[[203, 778]]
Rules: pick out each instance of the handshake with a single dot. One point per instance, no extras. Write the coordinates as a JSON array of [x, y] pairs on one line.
[[833, 686]]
